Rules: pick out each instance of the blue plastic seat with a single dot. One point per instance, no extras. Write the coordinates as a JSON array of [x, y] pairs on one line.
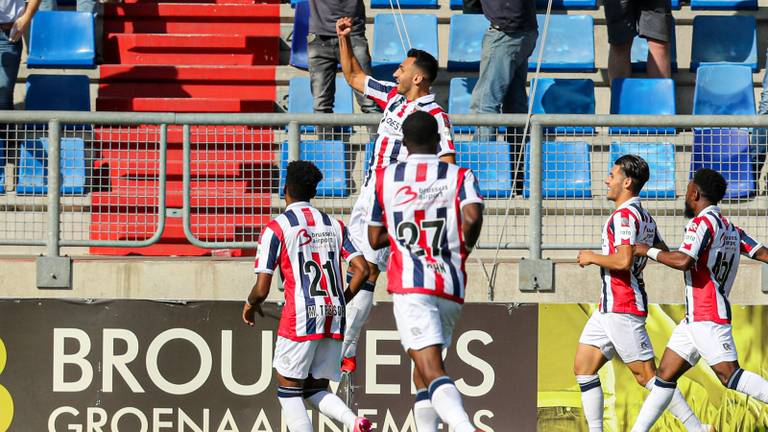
[[564, 96], [491, 163], [639, 53], [457, 4], [567, 4], [675, 4], [300, 99], [724, 89], [567, 172], [33, 167], [388, 50], [58, 93], [724, 39], [405, 4], [330, 158], [61, 39], [727, 151], [723, 4], [299, 57], [369, 147], [2, 167], [570, 44], [465, 42], [661, 161], [643, 96], [460, 100]]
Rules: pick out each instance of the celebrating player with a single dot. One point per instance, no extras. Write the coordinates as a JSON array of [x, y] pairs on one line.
[[430, 213], [709, 256], [307, 246], [411, 93], [618, 326]]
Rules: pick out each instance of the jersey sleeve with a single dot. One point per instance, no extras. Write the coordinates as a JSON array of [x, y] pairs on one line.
[[348, 249], [270, 247], [657, 239], [376, 215], [469, 189], [624, 228], [697, 238], [379, 91], [446, 134], [749, 245]]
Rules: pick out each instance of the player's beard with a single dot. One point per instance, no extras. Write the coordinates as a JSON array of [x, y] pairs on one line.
[[689, 212]]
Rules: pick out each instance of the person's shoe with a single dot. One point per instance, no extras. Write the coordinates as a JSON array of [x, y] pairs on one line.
[[362, 424], [349, 364]]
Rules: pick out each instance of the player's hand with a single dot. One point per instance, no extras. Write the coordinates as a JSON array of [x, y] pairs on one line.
[[344, 26], [584, 258], [641, 250], [249, 312]]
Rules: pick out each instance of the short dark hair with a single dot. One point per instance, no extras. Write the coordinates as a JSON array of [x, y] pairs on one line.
[[420, 132], [301, 180], [636, 168], [426, 62], [711, 184]]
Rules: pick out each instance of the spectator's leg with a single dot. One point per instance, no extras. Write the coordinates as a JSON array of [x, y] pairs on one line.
[[472, 7], [760, 135], [763, 109], [47, 5], [360, 49], [619, 61], [621, 19], [659, 64], [322, 76], [655, 25], [497, 69], [10, 56]]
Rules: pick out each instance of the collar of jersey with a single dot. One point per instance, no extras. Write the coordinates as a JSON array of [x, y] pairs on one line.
[[422, 156], [713, 208], [298, 204], [629, 202], [424, 99]]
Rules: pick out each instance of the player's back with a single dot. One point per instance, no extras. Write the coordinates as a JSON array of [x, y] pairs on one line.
[[420, 201], [308, 246]]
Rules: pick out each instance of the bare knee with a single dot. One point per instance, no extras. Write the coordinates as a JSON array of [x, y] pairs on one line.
[[725, 371]]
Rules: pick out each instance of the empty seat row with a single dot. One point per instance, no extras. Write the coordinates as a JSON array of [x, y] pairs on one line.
[[570, 44]]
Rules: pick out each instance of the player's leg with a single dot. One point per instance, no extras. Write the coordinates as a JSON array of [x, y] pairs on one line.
[[594, 350], [292, 362], [423, 412], [325, 366], [743, 381]]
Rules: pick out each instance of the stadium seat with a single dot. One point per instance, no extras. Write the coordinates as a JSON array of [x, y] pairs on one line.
[[724, 89], [369, 147], [60, 39], [299, 57], [465, 41], [330, 158], [643, 96], [388, 50], [2, 167], [727, 151], [33, 167], [490, 161], [723, 4], [404, 4], [639, 52], [661, 161], [457, 4], [300, 99], [676, 4], [724, 39], [567, 172], [58, 93], [460, 102], [567, 4], [570, 44], [564, 96]]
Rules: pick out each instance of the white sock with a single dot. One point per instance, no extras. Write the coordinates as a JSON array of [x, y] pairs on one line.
[[423, 412], [591, 401], [357, 312], [330, 405], [680, 409], [750, 384], [654, 405], [446, 401], [294, 411]]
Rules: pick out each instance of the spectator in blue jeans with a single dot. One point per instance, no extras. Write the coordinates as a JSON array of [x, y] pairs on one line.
[[323, 50], [507, 44], [15, 17], [81, 5]]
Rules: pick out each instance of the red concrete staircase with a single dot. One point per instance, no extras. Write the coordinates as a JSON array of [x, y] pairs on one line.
[[191, 56]]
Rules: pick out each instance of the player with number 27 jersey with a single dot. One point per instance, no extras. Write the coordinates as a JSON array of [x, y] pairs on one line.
[[307, 246]]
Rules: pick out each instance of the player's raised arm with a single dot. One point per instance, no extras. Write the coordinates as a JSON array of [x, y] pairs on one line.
[[351, 68]]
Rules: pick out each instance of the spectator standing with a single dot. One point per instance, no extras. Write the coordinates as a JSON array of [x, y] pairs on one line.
[[15, 17], [80, 6], [652, 20], [471, 7], [323, 50]]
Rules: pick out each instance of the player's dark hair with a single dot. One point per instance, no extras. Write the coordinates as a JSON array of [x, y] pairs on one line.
[[636, 168], [301, 180], [425, 62], [420, 133], [711, 184]]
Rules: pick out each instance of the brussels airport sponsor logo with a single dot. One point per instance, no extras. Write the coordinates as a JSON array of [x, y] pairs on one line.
[[404, 195], [89, 371], [304, 238], [6, 402]]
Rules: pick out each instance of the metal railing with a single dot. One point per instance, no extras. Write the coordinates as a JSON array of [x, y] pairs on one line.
[[214, 179]]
